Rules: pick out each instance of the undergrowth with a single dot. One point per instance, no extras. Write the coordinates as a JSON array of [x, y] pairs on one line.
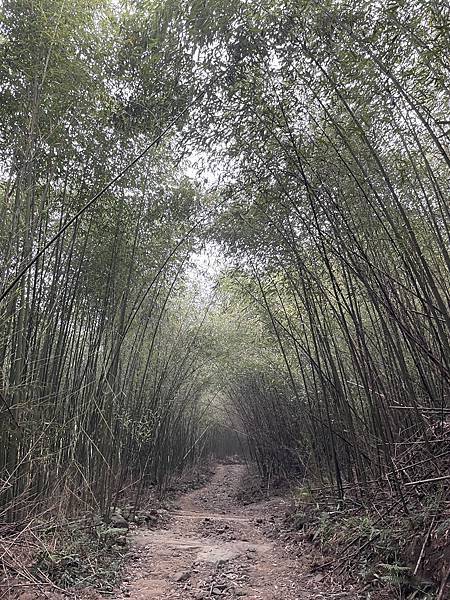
[[79, 557], [379, 543]]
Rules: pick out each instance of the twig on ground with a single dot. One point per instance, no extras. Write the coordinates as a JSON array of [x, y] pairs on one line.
[[422, 551], [427, 480], [443, 584]]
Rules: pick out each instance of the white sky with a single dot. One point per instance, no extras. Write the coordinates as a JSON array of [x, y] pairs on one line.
[[205, 270]]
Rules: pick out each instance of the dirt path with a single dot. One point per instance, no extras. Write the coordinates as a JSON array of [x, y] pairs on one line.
[[214, 547]]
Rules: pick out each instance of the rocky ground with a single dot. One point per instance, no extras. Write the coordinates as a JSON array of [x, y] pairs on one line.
[[215, 546]]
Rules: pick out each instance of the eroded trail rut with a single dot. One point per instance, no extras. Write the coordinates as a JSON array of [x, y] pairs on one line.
[[213, 548]]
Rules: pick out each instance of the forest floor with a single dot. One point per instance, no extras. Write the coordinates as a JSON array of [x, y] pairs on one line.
[[227, 538], [214, 545]]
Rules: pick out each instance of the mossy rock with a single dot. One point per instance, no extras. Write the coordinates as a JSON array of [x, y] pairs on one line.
[[111, 535], [118, 521]]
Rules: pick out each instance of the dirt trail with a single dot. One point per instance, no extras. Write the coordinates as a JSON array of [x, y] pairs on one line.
[[213, 547]]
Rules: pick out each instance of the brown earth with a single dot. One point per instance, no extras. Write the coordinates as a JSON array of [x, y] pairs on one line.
[[214, 546]]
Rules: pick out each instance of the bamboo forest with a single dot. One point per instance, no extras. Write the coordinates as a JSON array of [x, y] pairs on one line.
[[225, 299]]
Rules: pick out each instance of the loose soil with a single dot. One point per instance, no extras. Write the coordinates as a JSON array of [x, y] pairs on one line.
[[215, 546]]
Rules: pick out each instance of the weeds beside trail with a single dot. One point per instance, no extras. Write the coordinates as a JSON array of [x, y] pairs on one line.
[[56, 555]]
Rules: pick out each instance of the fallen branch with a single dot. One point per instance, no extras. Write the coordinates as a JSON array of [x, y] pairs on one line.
[[428, 480], [422, 551]]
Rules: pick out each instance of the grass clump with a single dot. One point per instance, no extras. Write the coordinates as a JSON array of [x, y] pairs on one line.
[[79, 557]]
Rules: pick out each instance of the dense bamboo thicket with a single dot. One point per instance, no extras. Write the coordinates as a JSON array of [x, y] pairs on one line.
[[98, 362], [334, 123], [325, 129]]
